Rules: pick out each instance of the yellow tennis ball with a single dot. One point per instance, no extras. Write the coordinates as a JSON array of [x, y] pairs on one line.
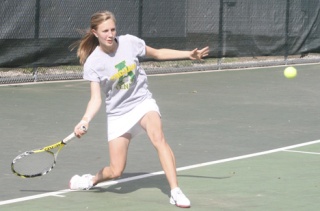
[[290, 72]]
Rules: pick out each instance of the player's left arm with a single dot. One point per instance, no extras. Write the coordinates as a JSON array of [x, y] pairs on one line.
[[170, 54], [92, 108]]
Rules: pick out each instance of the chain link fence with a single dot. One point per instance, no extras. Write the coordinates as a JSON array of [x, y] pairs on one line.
[[35, 35]]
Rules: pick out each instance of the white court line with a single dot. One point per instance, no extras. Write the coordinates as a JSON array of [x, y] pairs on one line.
[[303, 152], [159, 173]]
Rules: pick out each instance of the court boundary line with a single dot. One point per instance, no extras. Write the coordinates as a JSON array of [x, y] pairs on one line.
[[302, 152], [108, 183]]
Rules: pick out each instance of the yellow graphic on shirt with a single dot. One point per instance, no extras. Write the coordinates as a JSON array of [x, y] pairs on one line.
[[125, 75]]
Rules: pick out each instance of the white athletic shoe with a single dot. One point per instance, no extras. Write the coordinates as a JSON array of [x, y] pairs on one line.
[[179, 199], [81, 183]]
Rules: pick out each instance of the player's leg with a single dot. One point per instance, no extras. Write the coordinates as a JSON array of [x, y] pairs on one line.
[[118, 150], [151, 122]]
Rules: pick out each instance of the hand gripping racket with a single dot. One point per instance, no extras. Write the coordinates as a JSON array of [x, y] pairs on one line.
[[38, 162]]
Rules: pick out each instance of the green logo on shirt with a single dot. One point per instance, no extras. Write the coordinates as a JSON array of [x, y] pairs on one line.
[[125, 75]]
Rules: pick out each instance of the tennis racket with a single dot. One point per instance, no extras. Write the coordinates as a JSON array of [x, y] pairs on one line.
[[38, 162]]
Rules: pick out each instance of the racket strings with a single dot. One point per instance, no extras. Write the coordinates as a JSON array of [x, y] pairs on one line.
[[34, 163]]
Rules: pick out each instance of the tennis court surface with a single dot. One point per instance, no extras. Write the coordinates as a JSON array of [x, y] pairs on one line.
[[243, 140]]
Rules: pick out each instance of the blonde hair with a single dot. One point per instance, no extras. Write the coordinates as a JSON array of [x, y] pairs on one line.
[[89, 41]]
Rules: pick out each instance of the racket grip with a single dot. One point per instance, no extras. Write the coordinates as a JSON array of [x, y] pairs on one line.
[[73, 135], [69, 137]]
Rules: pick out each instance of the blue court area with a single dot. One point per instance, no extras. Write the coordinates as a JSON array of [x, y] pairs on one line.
[[243, 140]]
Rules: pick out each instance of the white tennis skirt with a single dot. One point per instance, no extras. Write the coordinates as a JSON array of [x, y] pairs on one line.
[[129, 122]]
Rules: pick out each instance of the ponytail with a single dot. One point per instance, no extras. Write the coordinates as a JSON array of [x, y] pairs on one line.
[[85, 46]]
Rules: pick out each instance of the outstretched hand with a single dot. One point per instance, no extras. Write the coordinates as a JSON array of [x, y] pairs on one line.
[[199, 54]]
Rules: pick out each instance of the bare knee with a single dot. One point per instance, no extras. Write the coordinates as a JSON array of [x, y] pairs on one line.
[[159, 142], [157, 136]]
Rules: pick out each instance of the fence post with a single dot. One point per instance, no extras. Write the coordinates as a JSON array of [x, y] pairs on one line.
[[286, 46], [220, 37], [140, 15], [36, 36]]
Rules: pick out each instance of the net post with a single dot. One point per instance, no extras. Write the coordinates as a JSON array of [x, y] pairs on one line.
[[219, 63], [35, 74]]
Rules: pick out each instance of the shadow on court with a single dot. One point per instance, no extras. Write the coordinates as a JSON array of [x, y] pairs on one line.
[[207, 117]]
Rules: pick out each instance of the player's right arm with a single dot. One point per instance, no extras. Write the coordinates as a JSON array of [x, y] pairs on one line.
[[168, 54], [92, 109]]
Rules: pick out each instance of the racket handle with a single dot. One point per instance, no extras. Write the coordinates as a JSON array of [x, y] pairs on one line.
[[69, 137], [72, 135]]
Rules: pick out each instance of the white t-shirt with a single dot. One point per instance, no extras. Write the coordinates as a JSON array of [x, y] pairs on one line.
[[121, 78]]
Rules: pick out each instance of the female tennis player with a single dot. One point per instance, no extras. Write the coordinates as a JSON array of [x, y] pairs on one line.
[[111, 65]]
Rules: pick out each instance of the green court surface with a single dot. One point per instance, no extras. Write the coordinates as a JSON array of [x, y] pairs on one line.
[[243, 140]]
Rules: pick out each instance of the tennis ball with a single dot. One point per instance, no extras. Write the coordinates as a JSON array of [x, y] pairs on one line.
[[290, 72]]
